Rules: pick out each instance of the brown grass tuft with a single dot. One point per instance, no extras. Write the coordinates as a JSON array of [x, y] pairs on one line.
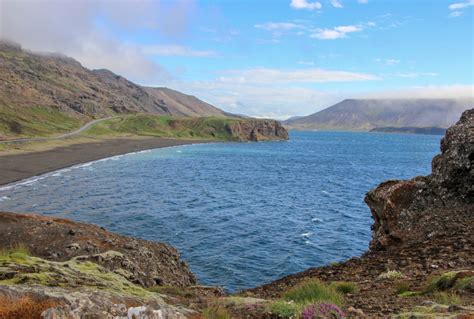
[[24, 307]]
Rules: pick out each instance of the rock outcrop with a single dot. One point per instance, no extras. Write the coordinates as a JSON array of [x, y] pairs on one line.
[[438, 205], [257, 130], [141, 262]]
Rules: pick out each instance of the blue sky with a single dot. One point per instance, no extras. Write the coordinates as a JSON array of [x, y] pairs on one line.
[[263, 58]]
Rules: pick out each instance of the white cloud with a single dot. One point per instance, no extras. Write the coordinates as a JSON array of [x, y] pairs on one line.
[[455, 14], [310, 63], [275, 26], [70, 27], [456, 91], [415, 74], [388, 62], [457, 8], [311, 75], [175, 50], [461, 5], [266, 101], [363, 1], [304, 4], [336, 32], [336, 4]]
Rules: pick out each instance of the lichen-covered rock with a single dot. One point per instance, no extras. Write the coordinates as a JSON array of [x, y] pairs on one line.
[[142, 262], [440, 204]]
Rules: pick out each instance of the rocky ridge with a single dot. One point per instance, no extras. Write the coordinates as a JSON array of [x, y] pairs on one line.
[[60, 82]]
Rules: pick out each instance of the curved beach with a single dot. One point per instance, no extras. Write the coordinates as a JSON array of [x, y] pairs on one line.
[[15, 167]]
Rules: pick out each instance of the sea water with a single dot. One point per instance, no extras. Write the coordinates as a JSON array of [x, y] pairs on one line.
[[241, 214]]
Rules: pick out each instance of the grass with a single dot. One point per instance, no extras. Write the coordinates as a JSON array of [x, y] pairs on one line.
[[446, 298], [464, 283], [216, 312], [16, 249], [442, 282], [401, 287], [391, 275], [24, 307], [344, 287], [37, 121], [164, 126], [284, 309], [172, 291], [313, 291]]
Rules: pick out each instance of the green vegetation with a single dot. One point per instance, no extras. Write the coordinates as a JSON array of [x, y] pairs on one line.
[[402, 287], [18, 249], [32, 270], [284, 309], [313, 291], [344, 287], [391, 275], [442, 282], [36, 121], [164, 126], [446, 298], [172, 291], [465, 283], [216, 313]]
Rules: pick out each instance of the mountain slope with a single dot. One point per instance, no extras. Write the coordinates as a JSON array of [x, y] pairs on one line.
[[38, 89], [365, 115]]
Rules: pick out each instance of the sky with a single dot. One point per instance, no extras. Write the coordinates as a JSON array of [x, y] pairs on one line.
[[266, 58]]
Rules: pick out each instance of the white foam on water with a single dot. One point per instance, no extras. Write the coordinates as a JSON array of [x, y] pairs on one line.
[[4, 198], [306, 234], [316, 220]]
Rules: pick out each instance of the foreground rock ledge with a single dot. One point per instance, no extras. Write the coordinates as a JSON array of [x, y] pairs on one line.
[[146, 263]]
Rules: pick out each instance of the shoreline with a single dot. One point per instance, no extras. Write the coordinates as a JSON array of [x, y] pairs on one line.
[[17, 167]]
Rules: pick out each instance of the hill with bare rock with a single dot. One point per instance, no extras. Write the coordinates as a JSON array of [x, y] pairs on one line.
[[379, 114], [44, 94]]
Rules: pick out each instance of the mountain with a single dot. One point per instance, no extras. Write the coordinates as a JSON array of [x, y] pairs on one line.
[[367, 114], [41, 92]]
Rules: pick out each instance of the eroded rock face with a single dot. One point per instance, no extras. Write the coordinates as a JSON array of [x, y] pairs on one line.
[[258, 130], [142, 262], [440, 204]]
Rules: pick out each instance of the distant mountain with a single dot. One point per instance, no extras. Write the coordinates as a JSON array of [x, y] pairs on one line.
[[61, 83], [367, 114], [411, 130]]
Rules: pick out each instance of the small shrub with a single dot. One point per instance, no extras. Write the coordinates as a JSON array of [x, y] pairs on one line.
[[216, 313], [447, 298], [442, 282], [313, 291], [465, 283], [391, 275], [322, 310], [344, 287], [24, 307], [401, 287], [284, 309]]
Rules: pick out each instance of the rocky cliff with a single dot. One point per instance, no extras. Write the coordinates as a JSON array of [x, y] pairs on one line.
[[438, 205], [257, 130]]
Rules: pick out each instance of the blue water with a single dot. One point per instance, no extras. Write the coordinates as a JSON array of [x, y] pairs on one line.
[[241, 214]]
